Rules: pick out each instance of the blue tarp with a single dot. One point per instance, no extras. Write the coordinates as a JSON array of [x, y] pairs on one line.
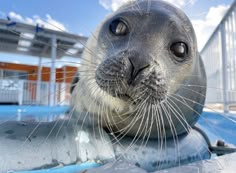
[[66, 169]]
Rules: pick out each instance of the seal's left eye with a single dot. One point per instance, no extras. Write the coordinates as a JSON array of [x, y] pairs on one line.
[[118, 27], [180, 50]]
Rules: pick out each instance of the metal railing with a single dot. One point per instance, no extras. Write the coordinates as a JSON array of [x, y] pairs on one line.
[[25, 92], [219, 56]]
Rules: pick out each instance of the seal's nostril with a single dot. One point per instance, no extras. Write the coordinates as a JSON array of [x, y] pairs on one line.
[[138, 64]]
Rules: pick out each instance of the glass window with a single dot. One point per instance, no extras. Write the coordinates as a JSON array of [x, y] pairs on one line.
[[13, 74]]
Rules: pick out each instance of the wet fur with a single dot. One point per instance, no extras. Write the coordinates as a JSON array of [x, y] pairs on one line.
[[106, 72]]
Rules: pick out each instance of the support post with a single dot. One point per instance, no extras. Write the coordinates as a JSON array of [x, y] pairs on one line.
[[53, 71], [20, 92], [39, 78], [224, 67]]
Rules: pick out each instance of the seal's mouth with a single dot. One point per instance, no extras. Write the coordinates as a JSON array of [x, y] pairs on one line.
[[126, 97]]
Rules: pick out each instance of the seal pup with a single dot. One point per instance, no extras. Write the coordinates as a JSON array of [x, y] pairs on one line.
[[140, 69]]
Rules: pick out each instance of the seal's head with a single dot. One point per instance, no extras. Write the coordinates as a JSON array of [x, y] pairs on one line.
[[141, 72]]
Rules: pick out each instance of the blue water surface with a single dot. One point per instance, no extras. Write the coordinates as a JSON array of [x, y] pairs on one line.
[[219, 126]]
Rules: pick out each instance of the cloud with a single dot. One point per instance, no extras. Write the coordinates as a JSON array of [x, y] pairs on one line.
[[204, 27], [115, 4], [112, 4], [181, 3], [48, 22]]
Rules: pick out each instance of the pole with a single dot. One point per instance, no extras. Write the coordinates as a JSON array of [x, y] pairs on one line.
[[52, 92]]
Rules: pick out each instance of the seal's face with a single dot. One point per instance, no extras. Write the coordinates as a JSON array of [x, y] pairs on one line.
[[145, 55], [146, 48]]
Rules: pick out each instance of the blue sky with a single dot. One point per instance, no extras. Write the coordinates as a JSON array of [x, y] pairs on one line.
[[82, 16]]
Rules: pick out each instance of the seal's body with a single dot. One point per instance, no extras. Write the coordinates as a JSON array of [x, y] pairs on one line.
[[142, 75]]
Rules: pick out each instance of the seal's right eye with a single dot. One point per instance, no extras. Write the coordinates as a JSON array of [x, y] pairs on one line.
[[180, 50], [118, 27]]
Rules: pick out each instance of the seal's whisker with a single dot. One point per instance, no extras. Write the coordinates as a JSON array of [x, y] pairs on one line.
[[127, 128], [180, 117], [148, 132], [138, 115], [103, 43], [108, 123], [145, 129], [110, 128], [133, 139], [29, 136], [125, 114], [180, 114], [138, 8], [184, 103], [210, 87], [148, 6], [100, 120], [196, 92], [100, 114], [156, 113], [50, 132], [136, 137], [172, 128], [189, 128], [204, 119], [87, 113], [218, 113], [139, 133], [63, 122], [33, 131], [163, 133]]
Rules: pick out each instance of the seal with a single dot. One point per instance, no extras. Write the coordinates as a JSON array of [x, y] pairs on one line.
[[141, 73]]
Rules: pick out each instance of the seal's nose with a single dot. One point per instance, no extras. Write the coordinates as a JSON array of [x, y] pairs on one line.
[[138, 64]]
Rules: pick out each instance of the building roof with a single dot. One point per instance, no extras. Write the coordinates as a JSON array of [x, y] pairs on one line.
[[36, 41]]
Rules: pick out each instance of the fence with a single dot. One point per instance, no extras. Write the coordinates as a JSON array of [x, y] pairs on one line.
[[219, 56], [25, 92]]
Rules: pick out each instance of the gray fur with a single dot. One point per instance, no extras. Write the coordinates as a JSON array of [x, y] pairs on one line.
[[166, 98]]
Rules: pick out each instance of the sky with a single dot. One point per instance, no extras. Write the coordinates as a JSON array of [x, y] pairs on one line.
[[82, 16]]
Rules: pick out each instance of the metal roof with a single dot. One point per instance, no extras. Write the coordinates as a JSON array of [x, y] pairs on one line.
[[32, 40]]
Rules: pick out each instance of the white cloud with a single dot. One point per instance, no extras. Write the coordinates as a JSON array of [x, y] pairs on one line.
[[204, 27], [115, 4], [48, 22], [181, 3], [15, 16], [112, 4]]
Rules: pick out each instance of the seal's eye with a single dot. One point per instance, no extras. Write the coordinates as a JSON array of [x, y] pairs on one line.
[[118, 27], [180, 50]]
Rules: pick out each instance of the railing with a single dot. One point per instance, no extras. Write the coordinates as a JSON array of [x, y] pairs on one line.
[[24, 92], [219, 56]]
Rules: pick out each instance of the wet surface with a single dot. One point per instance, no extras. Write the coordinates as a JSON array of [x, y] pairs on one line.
[[21, 131]]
